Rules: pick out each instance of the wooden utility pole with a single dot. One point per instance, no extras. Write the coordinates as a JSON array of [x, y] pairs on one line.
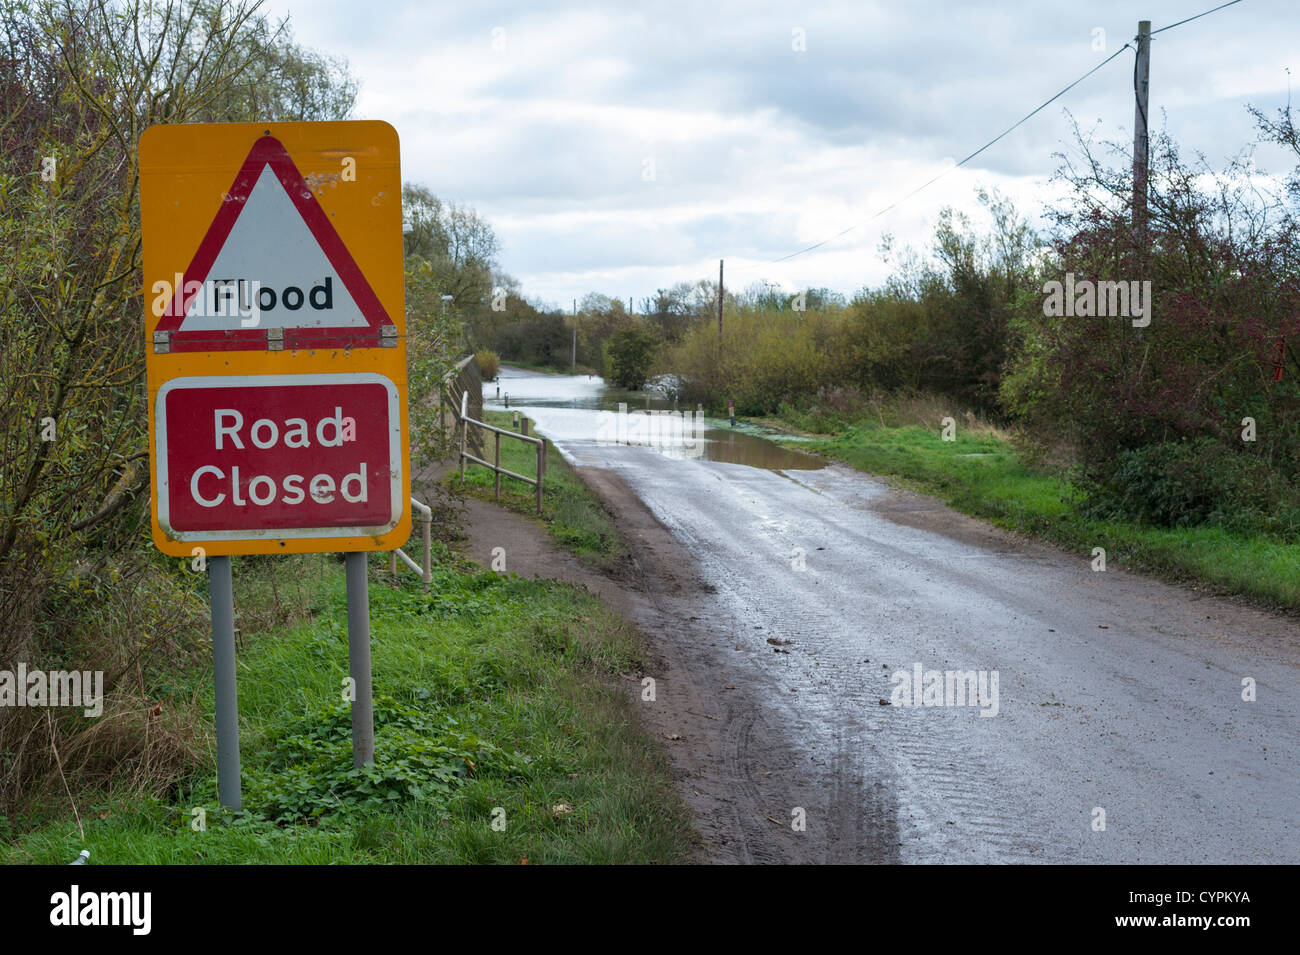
[[1141, 146], [574, 365], [719, 303]]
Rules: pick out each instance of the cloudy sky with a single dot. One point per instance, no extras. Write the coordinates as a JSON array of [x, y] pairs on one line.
[[622, 147]]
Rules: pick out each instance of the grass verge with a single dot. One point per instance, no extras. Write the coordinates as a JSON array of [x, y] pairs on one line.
[[495, 700], [981, 475], [571, 513]]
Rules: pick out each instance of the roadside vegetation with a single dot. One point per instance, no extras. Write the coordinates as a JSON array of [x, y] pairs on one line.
[[1173, 443], [81, 586], [496, 700]]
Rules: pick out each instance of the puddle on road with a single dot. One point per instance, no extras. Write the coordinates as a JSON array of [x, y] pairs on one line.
[[574, 408]]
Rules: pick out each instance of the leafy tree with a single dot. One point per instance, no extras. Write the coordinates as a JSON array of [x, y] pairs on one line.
[[629, 354], [672, 310], [536, 338], [281, 81], [80, 81], [457, 243]]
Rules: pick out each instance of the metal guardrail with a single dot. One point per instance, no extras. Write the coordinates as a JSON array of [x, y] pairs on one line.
[[466, 421], [425, 572]]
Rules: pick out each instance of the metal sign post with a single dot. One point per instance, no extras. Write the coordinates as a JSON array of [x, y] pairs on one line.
[[363, 707], [221, 588]]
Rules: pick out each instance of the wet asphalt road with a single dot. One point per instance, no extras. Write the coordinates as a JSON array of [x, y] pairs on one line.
[[1115, 694]]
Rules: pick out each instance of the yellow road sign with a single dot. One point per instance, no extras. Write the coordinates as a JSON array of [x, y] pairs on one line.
[[275, 337]]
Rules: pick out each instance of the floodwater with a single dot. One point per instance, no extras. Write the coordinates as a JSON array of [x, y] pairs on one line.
[[574, 409]]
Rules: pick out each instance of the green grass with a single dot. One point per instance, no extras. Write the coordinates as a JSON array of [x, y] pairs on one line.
[[571, 513], [998, 487], [492, 693]]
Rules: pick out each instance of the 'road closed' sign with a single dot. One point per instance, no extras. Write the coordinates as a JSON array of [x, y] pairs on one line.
[[275, 337], [240, 456]]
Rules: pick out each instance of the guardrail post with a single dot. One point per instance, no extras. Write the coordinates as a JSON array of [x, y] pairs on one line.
[[541, 469], [427, 520], [464, 430], [496, 468]]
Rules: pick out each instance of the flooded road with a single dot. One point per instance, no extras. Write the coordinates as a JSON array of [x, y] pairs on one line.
[[572, 410], [861, 674]]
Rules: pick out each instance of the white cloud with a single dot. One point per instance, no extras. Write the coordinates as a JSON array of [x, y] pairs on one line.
[[758, 149]]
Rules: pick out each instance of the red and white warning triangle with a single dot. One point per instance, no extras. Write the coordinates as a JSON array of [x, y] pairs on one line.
[[272, 260]]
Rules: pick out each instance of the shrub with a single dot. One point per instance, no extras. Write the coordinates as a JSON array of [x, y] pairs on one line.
[[1219, 346], [1185, 483], [766, 358], [489, 363]]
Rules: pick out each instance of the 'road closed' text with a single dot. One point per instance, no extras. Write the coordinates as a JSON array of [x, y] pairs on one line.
[[278, 455]]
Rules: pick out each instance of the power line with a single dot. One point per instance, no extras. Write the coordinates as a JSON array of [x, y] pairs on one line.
[[1020, 122], [1004, 133], [1197, 17]]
